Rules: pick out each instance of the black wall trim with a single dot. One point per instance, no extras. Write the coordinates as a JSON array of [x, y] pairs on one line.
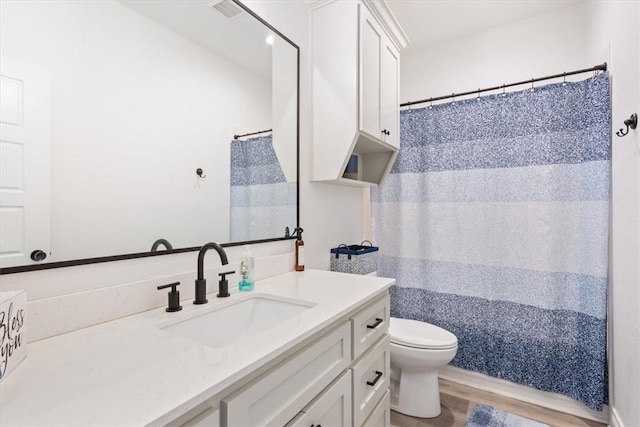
[[85, 261]]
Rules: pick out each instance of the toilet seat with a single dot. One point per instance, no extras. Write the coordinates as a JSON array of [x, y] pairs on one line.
[[416, 334]]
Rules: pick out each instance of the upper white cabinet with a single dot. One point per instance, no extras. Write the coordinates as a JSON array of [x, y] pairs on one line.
[[355, 90], [379, 100]]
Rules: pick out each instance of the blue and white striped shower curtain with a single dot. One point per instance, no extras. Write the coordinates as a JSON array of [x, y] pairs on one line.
[[495, 223], [263, 203]]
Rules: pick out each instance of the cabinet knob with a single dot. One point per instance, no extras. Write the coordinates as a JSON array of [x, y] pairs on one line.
[[386, 132]]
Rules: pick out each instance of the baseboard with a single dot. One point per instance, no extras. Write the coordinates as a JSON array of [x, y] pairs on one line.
[[554, 401], [614, 419]]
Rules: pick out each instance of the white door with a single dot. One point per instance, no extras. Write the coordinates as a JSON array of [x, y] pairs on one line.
[[389, 99], [24, 164], [370, 49]]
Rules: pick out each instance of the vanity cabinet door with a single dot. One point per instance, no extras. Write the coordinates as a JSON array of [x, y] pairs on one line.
[[207, 418], [277, 396], [331, 408], [381, 415]]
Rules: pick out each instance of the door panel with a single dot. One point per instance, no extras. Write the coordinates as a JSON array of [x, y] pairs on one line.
[[371, 43], [390, 101], [24, 162]]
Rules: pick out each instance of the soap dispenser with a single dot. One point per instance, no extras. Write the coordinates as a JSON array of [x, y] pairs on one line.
[[246, 271]]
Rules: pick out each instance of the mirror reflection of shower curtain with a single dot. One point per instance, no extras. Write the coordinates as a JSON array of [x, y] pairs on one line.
[[263, 203], [494, 221]]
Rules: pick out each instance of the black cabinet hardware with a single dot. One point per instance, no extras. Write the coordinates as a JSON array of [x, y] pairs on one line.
[[376, 323], [379, 375]]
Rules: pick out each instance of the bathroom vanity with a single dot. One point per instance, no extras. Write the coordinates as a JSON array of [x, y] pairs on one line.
[[303, 349]]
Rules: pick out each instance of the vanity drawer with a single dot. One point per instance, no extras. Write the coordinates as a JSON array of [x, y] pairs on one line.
[[370, 380], [277, 396], [369, 325], [381, 415]]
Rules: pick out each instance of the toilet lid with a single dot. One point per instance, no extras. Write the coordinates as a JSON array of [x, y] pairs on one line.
[[417, 334]]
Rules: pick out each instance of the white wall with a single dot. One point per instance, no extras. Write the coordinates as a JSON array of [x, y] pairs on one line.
[[135, 110], [538, 46], [612, 32]]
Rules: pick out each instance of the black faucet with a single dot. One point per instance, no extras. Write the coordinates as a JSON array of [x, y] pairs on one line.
[[201, 282]]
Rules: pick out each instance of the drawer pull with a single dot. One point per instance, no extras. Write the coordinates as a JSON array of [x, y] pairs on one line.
[[376, 323], [379, 375]]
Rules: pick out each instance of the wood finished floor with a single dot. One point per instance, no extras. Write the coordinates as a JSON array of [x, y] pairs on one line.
[[459, 400]]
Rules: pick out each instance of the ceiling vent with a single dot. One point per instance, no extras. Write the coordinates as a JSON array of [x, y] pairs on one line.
[[227, 7]]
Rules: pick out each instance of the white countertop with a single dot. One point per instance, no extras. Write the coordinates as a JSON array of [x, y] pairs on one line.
[[129, 372]]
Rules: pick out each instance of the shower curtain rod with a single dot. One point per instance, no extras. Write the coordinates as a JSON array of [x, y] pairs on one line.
[[252, 133], [601, 67]]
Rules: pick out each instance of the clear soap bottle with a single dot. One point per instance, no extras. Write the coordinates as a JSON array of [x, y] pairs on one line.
[[246, 271]]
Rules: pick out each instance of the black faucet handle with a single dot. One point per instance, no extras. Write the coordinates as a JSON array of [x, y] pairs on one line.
[[223, 275], [223, 284], [173, 295]]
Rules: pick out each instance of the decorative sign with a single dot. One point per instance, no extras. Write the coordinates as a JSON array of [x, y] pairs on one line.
[[13, 342]]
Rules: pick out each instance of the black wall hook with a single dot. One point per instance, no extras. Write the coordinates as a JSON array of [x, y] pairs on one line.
[[631, 122], [199, 172]]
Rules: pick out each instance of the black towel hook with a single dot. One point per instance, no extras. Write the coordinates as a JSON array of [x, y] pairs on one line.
[[200, 173], [631, 122]]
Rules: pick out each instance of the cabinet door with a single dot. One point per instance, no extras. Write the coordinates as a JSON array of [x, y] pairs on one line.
[[332, 408], [381, 416], [371, 41], [207, 418], [278, 395], [389, 99]]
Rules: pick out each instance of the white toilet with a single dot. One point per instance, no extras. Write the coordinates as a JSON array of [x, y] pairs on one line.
[[418, 350]]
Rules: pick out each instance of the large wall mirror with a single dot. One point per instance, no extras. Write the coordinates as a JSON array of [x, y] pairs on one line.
[[122, 124]]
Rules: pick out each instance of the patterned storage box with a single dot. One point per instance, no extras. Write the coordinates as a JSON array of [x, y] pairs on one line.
[[355, 259]]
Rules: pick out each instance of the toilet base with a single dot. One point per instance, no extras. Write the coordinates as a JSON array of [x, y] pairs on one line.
[[419, 395]]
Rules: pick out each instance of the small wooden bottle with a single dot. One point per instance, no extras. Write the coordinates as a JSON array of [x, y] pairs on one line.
[[300, 252]]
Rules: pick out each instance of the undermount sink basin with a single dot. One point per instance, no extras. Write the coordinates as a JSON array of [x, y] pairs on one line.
[[227, 324]]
